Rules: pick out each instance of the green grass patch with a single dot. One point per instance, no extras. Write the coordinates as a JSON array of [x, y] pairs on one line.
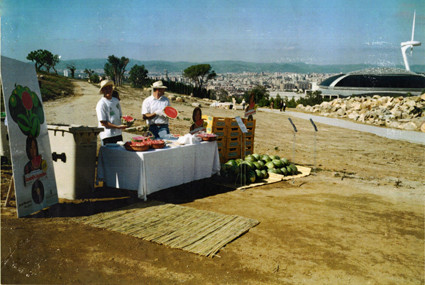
[[53, 86]]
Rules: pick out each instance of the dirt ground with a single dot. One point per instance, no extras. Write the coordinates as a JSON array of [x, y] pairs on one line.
[[358, 219]]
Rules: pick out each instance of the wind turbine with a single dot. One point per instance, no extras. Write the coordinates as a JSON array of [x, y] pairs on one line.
[[409, 44]]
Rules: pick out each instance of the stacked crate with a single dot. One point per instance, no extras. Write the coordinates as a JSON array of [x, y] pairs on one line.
[[229, 136]]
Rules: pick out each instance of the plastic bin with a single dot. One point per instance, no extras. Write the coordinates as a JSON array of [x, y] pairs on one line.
[[74, 150], [4, 142]]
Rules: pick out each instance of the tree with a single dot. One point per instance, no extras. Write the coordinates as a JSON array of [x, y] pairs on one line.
[[89, 72], [52, 61], [199, 74], [138, 76], [71, 68], [115, 68], [222, 95], [36, 57], [44, 58], [261, 97]]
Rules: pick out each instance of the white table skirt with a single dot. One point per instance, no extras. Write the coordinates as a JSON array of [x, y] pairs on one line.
[[154, 170]]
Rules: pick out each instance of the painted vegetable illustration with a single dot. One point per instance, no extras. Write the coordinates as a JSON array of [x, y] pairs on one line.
[[26, 110]]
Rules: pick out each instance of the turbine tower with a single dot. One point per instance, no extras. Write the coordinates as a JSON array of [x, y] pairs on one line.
[[409, 44]]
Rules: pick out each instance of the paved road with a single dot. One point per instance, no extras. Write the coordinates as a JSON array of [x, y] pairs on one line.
[[395, 134]]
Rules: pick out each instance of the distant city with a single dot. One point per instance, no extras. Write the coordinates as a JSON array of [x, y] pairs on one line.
[[237, 77]]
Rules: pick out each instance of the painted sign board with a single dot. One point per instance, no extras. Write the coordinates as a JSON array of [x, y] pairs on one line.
[[35, 184]]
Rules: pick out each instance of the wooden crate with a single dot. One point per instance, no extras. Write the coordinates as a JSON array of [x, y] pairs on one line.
[[232, 132], [247, 123], [221, 132], [231, 123], [249, 141], [232, 153], [221, 142], [248, 150], [214, 121], [233, 141]]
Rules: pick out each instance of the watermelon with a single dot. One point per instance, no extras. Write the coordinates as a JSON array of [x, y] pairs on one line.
[[232, 162], [289, 169], [278, 171], [246, 166], [264, 173], [285, 161], [293, 168], [127, 120], [257, 165], [266, 158], [261, 163], [277, 162], [284, 171], [274, 157], [270, 165], [251, 176], [250, 158], [258, 173], [256, 156]]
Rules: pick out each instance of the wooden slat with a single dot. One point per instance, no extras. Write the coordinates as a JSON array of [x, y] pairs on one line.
[[193, 230]]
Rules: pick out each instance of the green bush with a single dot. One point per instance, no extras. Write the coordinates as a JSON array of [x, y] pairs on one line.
[[94, 78], [53, 86]]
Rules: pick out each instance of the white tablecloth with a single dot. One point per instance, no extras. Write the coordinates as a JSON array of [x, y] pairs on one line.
[[154, 170]]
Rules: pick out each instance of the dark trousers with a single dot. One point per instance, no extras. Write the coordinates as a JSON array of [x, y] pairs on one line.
[[159, 130], [112, 139]]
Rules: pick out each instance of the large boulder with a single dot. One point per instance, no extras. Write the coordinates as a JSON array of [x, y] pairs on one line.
[[410, 126]]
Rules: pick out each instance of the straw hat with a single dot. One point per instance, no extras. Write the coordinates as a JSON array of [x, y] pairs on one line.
[[105, 83], [158, 85]]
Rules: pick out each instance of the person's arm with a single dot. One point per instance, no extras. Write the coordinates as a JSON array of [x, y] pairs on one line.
[[149, 116], [109, 125]]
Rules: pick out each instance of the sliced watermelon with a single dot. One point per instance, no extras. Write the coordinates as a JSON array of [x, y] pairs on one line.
[[171, 112]]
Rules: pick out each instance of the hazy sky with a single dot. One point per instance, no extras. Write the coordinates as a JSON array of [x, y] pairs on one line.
[[320, 32]]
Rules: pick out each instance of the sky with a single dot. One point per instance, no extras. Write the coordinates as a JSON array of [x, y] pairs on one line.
[[280, 31]]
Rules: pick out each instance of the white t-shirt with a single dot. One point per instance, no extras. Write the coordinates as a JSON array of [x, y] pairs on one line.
[[150, 105], [109, 110]]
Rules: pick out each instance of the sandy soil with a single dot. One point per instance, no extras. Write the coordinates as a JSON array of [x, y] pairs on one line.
[[358, 219]]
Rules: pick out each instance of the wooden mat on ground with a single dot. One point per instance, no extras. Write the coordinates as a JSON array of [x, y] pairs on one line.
[[190, 229], [273, 178]]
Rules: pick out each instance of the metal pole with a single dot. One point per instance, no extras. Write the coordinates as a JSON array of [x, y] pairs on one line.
[[293, 142], [315, 142]]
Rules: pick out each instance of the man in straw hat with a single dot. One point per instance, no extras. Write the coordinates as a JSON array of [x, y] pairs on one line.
[[153, 110], [109, 114]]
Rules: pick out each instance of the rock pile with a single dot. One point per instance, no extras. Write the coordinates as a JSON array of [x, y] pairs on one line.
[[406, 113]]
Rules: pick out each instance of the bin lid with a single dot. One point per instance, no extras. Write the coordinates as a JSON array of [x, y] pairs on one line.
[[74, 128]]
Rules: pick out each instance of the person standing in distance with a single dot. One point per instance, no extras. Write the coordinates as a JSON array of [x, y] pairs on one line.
[[153, 110], [108, 111]]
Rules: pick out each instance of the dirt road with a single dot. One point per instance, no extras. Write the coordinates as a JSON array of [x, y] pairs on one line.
[[358, 220]]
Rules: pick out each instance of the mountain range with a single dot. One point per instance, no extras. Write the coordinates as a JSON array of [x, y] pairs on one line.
[[226, 66]]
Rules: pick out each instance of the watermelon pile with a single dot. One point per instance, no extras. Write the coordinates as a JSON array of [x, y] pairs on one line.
[[127, 120], [256, 167]]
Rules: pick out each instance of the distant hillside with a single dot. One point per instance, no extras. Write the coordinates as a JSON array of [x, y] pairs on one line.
[[155, 66]]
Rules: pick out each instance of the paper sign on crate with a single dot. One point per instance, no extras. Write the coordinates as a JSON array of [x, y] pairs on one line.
[[241, 125], [35, 184]]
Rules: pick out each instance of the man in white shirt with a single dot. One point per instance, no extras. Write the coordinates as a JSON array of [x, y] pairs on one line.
[[153, 110], [109, 114]]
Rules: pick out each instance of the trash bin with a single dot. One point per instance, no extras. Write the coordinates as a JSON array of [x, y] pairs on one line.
[[74, 150], [4, 142]]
